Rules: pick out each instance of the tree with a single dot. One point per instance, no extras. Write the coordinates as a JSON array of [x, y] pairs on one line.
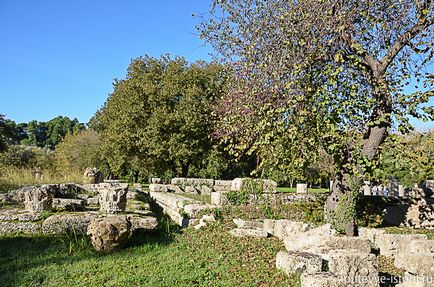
[[159, 116], [331, 74], [78, 151], [6, 133]]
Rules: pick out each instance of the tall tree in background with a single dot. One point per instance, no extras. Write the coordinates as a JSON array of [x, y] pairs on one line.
[[159, 116], [322, 73]]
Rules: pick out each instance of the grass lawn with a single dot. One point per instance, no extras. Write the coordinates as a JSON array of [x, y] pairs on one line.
[[209, 257]]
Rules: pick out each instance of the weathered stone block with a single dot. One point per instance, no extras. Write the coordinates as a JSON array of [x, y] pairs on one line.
[[38, 200], [421, 246], [286, 228], [356, 268], [93, 200], [219, 198], [391, 244], [92, 175], [113, 200], [248, 224], [242, 232], [68, 223], [157, 188], [68, 204], [26, 227], [323, 279], [109, 232], [193, 210], [298, 262], [418, 264], [301, 188], [143, 223]]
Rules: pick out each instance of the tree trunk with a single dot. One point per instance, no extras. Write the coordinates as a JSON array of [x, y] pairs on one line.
[[184, 168], [373, 138]]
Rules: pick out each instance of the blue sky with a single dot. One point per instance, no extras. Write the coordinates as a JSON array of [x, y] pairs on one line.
[[60, 57]]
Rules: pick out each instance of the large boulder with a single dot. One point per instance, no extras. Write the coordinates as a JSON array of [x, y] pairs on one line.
[[109, 232], [38, 200], [113, 200], [92, 175]]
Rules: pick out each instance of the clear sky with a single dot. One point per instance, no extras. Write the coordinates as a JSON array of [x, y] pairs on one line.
[[60, 57]]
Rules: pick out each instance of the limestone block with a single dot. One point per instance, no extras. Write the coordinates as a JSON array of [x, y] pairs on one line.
[[298, 262], [109, 232], [143, 222], [68, 204], [113, 200], [93, 200], [286, 228], [420, 263], [193, 210], [219, 198], [301, 188], [242, 232], [248, 224], [13, 227], [157, 188], [421, 246], [372, 234], [38, 200], [355, 268], [391, 244], [269, 225], [323, 279], [68, 223]]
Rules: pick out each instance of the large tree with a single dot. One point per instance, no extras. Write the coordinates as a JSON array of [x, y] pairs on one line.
[[159, 117], [332, 74]]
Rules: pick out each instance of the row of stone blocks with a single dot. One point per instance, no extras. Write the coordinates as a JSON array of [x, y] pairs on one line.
[[325, 259], [182, 210]]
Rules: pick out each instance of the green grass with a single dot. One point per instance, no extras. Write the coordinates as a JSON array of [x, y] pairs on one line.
[[293, 190], [209, 257]]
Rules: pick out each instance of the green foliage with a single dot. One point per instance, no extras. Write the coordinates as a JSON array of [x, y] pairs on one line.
[[78, 151], [251, 191], [159, 117]]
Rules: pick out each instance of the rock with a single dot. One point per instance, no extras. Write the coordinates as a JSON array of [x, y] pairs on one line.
[[205, 190], [19, 215], [301, 188], [193, 209], [181, 181], [113, 200], [204, 221], [191, 190], [93, 200], [174, 188], [285, 228], [143, 223], [322, 245], [298, 262], [157, 188], [248, 224], [219, 198], [38, 200], [372, 234], [410, 280], [391, 244], [420, 215], [68, 223], [222, 185], [354, 267], [13, 227], [18, 195], [135, 194], [269, 225], [421, 246], [269, 185], [242, 232], [109, 232], [83, 196], [237, 184], [4, 198], [418, 264], [92, 175], [68, 204], [323, 279], [156, 180]]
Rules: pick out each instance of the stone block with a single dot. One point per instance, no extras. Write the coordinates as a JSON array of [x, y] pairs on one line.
[[286, 228], [391, 244], [143, 223], [68, 204], [219, 198], [193, 210], [418, 264], [25, 227], [298, 262], [372, 234], [301, 188], [422, 246], [355, 268], [109, 232], [113, 200], [242, 232], [157, 188], [269, 225], [322, 279], [38, 200], [93, 200], [68, 223], [248, 224]]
